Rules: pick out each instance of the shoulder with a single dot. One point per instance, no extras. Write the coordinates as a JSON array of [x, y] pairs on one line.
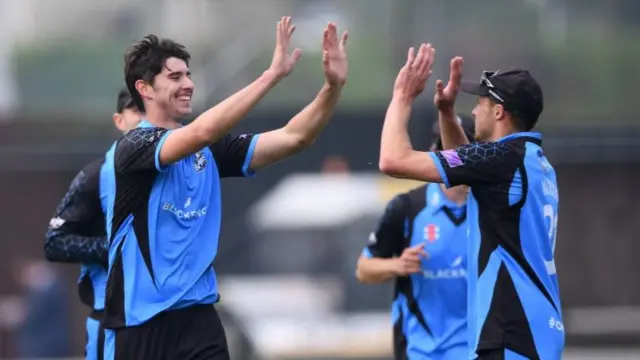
[[93, 167], [142, 135], [488, 151]]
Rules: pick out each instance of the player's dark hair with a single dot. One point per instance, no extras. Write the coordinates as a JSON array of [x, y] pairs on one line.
[[145, 59], [521, 120], [125, 101]]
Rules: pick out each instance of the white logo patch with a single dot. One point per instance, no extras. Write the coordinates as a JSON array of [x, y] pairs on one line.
[[200, 161], [56, 222]]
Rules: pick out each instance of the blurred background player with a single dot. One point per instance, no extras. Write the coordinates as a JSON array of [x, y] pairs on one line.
[[421, 242], [163, 214], [514, 299], [77, 232]]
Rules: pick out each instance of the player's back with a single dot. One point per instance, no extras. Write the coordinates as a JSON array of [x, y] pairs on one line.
[[514, 299]]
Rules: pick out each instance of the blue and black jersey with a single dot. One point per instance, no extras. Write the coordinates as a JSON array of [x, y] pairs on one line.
[[77, 234], [163, 223], [514, 300], [430, 309]]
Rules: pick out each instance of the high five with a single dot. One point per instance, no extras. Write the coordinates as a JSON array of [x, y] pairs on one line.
[[514, 302]]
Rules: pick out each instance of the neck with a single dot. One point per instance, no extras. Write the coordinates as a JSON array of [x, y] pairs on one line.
[[160, 118], [505, 130], [456, 194]]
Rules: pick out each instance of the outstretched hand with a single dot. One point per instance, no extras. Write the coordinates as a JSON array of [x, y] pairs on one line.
[[334, 55], [414, 74], [445, 97], [283, 62]]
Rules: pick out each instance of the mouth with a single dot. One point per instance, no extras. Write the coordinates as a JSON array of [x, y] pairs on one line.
[[184, 97]]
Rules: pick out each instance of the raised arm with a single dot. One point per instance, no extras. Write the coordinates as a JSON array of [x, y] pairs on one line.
[[216, 122], [397, 156], [303, 129], [451, 131], [76, 233]]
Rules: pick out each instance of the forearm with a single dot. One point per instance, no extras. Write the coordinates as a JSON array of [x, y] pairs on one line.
[[308, 124], [395, 142], [299, 133], [451, 131], [375, 270], [216, 122], [63, 247]]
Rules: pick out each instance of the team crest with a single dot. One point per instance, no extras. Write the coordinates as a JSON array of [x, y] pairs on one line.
[[200, 161], [431, 232]]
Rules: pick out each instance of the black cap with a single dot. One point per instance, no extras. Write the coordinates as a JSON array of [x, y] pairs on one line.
[[515, 89], [467, 123], [125, 101]]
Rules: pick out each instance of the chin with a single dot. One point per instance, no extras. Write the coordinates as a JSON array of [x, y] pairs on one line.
[[184, 112]]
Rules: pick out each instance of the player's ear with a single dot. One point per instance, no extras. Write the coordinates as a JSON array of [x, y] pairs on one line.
[[144, 89], [118, 121], [498, 111]]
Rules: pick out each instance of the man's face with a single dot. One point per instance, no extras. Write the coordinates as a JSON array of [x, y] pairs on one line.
[[172, 89], [126, 120], [485, 116]]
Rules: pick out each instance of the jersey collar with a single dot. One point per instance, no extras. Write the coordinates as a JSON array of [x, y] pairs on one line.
[[145, 124], [534, 137], [437, 200]]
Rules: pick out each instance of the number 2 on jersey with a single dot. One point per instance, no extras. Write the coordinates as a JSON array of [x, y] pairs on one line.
[[553, 228]]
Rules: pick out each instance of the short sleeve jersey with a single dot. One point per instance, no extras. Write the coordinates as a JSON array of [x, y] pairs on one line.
[[514, 299], [163, 222], [429, 310]]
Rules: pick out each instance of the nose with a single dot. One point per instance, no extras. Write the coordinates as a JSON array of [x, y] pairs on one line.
[[188, 84]]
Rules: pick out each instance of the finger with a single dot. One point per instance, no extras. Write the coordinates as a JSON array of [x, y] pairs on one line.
[[455, 72], [292, 28], [333, 35], [439, 87], [325, 58], [410, 57], [418, 247], [424, 65], [343, 41], [296, 55], [419, 59], [278, 33], [325, 38], [430, 59]]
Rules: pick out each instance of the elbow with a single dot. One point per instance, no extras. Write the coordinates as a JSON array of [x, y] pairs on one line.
[[302, 142], [360, 276], [298, 143], [390, 166]]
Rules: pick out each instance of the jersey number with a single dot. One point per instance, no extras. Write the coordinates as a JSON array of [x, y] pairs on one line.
[[553, 228]]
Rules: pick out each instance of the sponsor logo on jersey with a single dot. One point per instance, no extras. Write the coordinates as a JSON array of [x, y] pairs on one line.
[[456, 271], [452, 158], [200, 161], [184, 214], [431, 232]]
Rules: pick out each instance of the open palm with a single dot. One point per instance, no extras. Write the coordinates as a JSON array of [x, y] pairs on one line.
[[445, 96], [283, 61], [334, 55]]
